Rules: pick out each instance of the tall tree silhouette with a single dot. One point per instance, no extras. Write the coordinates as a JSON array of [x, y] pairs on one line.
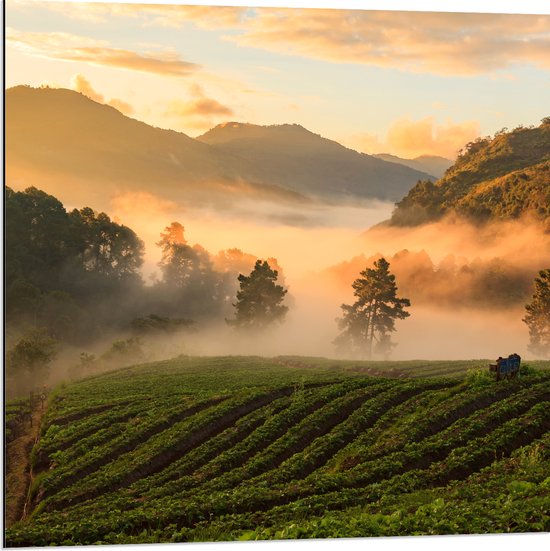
[[259, 300], [367, 324], [538, 315]]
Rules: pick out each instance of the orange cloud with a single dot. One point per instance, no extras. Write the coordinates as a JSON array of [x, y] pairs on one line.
[[440, 43], [407, 138], [413, 138], [199, 112], [81, 84], [71, 47]]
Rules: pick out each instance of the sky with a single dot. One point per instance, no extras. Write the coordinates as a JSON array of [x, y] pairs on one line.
[[406, 83]]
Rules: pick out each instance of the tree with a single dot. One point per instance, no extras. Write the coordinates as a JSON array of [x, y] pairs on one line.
[[191, 283], [371, 318], [259, 300], [538, 315], [105, 247], [29, 358]]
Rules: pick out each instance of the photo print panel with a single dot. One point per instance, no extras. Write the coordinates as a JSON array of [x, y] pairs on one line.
[[274, 273]]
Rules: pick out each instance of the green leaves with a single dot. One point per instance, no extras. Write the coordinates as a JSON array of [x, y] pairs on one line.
[[259, 300]]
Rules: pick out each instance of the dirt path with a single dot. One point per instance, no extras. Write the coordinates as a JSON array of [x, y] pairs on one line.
[[18, 475]]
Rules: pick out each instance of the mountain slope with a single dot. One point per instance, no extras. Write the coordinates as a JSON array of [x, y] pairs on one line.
[[432, 164], [292, 156], [58, 139], [83, 152], [507, 176]]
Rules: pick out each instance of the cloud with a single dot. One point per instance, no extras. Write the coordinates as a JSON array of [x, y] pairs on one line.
[[408, 138], [71, 47], [440, 43], [366, 143], [81, 84], [199, 112], [122, 106], [165, 15], [413, 138]]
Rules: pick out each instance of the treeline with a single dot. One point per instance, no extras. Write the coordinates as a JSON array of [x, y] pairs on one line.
[[75, 273], [73, 278], [453, 282]]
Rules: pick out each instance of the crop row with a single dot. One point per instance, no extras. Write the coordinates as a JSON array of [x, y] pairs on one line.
[[294, 439], [362, 419], [510, 495], [310, 406], [286, 502], [145, 426], [345, 428], [62, 437], [127, 421], [174, 512], [416, 455], [504, 497], [418, 406], [303, 403], [432, 418], [156, 453]]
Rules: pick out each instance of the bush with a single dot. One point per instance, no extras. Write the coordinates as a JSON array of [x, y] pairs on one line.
[[479, 377]]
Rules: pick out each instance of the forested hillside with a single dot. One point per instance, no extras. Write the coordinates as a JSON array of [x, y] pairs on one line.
[[504, 177]]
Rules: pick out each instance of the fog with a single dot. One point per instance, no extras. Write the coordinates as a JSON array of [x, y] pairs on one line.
[[468, 286], [301, 236]]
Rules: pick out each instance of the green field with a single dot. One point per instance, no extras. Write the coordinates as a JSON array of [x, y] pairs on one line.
[[205, 449]]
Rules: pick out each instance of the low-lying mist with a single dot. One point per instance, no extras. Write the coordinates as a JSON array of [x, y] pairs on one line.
[[468, 285]]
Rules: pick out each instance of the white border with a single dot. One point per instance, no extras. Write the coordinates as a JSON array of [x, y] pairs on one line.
[[509, 542]]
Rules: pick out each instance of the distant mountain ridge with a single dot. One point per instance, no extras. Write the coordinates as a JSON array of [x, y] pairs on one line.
[[431, 164], [67, 144], [316, 166], [504, 177]]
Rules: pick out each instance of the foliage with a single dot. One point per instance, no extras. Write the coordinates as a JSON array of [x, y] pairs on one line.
[[479, 378], [63, 269], [158, 324], [503, 177], [538, 315], [203, 449], [31, 356], [125, 351], [259, 300], [371, 318]]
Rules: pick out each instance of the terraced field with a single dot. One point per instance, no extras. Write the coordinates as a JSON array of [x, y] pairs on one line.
[[204, 449]]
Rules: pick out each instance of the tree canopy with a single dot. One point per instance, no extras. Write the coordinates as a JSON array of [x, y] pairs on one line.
[[538, 315], [259, 300], [367, 324]]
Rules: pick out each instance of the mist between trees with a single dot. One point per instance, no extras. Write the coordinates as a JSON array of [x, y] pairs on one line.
[[75, 293]]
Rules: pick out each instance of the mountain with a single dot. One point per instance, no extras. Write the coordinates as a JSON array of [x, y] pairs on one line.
[[507, 176], [65, 143], [292, 156], [432, 164], [85, 152]]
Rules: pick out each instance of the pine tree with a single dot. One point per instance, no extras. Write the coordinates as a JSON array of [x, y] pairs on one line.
[[538, 315], [259, 300], [367, 324]]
